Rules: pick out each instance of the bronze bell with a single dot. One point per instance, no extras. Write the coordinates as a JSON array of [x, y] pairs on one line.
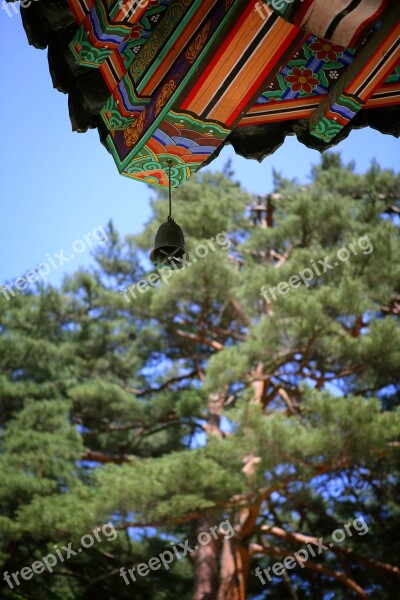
[[169, 248]]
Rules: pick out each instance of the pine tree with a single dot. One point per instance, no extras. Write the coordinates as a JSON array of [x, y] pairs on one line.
[[258, 385]]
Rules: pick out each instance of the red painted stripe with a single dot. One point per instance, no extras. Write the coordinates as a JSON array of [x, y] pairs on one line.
[[276, 118], [121, 108], [76, 11], [211, 65], [107, 76], [258, 83], [336, 117], [378, 102], [368, 66], [118, 65], [365, 23], [179, 46]]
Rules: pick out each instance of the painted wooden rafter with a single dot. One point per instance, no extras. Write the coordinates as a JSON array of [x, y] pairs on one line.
[[183, 74], [339, 21], [303, 108], [224, 86], [350, 94]]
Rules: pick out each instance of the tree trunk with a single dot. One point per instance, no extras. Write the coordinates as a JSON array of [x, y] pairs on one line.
[[229, 580], [235, 564], [206, 565]]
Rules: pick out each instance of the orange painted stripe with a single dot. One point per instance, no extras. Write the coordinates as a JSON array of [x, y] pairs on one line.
[[118, 64], [387, 101], [108, 74], [222, 50], [380, 77], [224, 64], [245, 85], [155, 146], [177, 150], [277, 117], [392, 87], [278, 104], [177, 48], [195, 158], [369, 66], [259, 114], [277, 111], [78, 12]]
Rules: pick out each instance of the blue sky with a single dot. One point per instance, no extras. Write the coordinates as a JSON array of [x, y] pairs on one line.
[[56, 185]]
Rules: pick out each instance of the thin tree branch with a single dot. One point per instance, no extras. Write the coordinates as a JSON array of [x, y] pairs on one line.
[[312, 566]]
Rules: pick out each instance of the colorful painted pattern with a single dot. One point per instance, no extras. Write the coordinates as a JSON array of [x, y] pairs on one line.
[[312, 71], [373, 65], [304, 106], [182, 74], [174, 140]]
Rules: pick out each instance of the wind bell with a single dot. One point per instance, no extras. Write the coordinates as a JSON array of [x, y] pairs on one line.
[[169, 248]]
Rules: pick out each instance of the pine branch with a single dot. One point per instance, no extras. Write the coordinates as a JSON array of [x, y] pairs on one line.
[[312, 566], [103, 458], [239, 310], [167, 384], [196, 338], [383, 568]]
